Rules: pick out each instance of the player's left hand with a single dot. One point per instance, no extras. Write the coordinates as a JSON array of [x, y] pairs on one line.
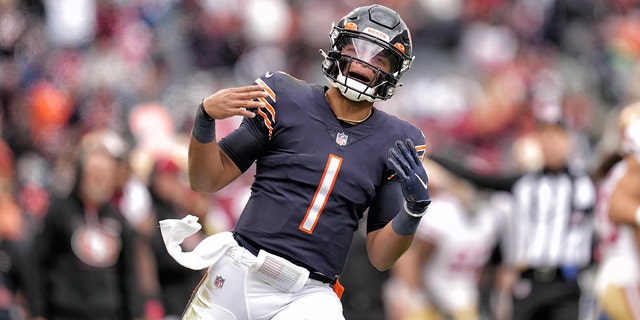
[[408, 167]]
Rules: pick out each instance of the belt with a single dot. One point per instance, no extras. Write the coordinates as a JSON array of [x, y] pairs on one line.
[[547, 274], [321, 277], [254, 249]]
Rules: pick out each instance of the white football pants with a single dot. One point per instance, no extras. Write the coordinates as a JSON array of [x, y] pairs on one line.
[[230, 291]]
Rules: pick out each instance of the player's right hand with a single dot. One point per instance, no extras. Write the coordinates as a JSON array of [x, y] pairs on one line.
[[406, 163], [234, 102]]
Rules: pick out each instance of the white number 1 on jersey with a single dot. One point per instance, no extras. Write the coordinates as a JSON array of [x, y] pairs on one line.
[[322, 193]]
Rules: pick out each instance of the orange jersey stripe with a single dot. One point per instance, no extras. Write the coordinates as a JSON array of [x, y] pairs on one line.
[[267, 122], [270, 92], [269, 108], [421, 149]]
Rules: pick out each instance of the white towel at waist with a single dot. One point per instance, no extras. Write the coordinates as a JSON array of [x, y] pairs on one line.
[[205, 254]]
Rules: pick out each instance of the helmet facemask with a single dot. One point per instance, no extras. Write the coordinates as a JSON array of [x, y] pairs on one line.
[[364, 67]]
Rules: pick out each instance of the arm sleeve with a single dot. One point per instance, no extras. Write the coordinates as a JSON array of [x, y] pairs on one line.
[[385, 206], [245, 144]]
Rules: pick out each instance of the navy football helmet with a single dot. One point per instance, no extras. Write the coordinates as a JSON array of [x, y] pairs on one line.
[[370, 51]]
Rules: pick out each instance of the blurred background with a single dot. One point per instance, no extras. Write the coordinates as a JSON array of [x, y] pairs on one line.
[[482, 68], [484, 71]]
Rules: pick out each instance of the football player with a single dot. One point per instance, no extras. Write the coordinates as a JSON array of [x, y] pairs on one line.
[[439, 276], [618, 219], [324, 155]]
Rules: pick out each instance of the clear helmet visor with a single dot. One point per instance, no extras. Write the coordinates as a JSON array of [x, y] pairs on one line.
[[369, 52]]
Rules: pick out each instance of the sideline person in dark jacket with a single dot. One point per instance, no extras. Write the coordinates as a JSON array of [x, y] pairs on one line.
[[84, 255]]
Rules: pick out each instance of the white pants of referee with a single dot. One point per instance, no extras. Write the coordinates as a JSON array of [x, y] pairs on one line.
[[230, 291]]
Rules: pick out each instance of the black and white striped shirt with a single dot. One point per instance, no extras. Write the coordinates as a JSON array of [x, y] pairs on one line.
[[551, 220]]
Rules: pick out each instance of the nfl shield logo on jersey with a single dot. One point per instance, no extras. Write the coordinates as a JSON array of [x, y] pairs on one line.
[[341, 139], [219, 282]]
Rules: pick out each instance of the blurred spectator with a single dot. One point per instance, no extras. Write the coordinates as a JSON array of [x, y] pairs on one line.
[[549, 234], [51, 108], [14, 268], [33, 189], [70, 23], [439, 277], [15, 284], [168, 190], [215, 33], [133, 200], [85, 255]]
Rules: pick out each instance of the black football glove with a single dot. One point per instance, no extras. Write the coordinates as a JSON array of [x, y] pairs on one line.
[[408, 167]]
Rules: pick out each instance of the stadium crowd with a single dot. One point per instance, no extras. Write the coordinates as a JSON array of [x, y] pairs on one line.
[[128, 75]]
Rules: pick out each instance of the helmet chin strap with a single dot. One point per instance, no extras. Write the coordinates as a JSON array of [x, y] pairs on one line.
[[353, 89]]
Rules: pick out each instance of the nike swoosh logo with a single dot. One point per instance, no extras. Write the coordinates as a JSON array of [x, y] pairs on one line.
[[268, 74], [424, 184]]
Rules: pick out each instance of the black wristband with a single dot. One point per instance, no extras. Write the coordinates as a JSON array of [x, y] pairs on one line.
[[204, 127], [404, 224]]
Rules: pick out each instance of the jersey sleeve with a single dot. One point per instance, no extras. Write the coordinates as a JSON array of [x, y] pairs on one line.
[[245, 144], [385, 206]]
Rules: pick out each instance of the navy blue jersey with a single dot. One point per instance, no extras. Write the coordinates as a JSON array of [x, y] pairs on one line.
[[315, 176]]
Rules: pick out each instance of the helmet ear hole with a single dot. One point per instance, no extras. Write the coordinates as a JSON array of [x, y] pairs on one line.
[[327, 64]]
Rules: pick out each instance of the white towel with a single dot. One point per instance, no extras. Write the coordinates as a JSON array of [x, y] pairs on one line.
[[205, 254]]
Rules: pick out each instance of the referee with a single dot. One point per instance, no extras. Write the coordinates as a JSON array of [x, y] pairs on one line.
[[548, 239]]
